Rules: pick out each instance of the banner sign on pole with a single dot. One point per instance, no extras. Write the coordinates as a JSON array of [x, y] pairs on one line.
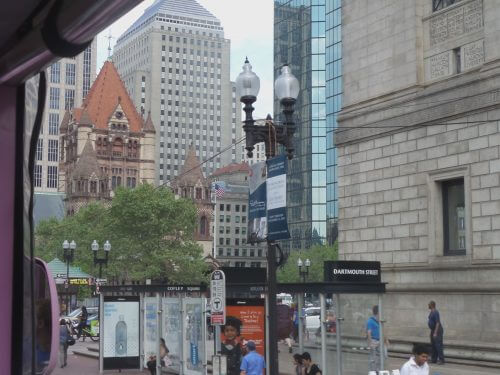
[[257, 219], [352, 271], [218, 298], [276, 199]]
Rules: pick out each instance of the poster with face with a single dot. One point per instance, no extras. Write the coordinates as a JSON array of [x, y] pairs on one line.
[[193, 345], [172, 331], [252, 315], [121, 329]]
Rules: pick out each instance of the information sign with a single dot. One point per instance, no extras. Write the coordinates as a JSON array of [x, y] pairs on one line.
[[218, 298], [352, 271]]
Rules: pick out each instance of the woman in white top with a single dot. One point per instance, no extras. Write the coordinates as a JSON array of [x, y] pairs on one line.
[[417, 364]]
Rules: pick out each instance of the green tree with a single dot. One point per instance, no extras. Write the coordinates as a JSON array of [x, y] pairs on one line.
[[317, 254], [150, 231]]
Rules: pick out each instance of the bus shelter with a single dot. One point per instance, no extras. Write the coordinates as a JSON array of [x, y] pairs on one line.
[[355, 288], [134, 319]]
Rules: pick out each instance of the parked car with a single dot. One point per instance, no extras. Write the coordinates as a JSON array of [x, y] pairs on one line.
[[74, 316], [313, 320]]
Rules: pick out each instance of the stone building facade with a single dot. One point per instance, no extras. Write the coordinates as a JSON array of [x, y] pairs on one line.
[[419, 169], [104, 144], [192, 184]]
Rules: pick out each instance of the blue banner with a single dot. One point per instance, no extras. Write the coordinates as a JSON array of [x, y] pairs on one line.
[[257, 220], [277, 225]]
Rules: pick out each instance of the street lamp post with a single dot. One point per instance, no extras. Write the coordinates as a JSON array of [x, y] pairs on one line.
[[286, 88], [100, 261], [69, 255], [303, 271]]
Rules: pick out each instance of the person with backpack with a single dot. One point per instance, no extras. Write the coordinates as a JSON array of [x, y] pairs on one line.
[[310, 368]]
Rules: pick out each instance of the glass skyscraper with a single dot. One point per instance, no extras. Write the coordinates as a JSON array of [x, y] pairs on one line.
[[307, 38]]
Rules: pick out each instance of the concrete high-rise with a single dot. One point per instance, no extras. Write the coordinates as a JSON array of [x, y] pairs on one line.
[[68, 82], [174, 61]]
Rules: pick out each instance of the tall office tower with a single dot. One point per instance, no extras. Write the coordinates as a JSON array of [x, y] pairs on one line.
[[174, 61], [299, 41], [68, 82], [333, 67]]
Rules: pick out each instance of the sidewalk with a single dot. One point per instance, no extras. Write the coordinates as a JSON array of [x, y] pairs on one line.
[[357, 363], [354, 364]]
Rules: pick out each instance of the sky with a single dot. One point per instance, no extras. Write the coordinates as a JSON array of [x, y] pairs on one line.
[[247, 24]]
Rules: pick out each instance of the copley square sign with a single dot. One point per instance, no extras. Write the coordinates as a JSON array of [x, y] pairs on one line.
[[352, 271]]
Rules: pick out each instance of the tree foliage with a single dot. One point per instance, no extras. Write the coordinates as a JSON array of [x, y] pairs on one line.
[[317, 254], [150, 231]]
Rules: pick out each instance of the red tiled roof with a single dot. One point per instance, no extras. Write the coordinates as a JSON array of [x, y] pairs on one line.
[[105, 94], [232, 168]]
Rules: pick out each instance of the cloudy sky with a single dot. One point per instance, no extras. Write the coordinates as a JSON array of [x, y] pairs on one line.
[[247, 24]]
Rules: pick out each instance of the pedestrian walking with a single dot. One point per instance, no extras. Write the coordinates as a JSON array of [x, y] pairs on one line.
[[310, 368], [373, 337], [417, 364], [64, 340], [253, 363], [436, 334]]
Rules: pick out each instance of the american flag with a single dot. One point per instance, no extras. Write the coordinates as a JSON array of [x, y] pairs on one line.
[[219, 190]]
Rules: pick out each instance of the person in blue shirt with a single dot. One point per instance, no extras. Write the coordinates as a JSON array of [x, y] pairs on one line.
[[373, 337], [253, 363], [436, 336]]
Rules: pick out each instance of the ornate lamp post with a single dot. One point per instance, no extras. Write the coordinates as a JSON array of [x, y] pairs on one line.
[[303, 271], [286, 88], [69, 254], [100, 261]]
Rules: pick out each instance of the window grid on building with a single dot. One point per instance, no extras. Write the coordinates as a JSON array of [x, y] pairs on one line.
[[53, 123], [54, 98], [69, 98], [52, 176], [53, 150], [38, 175], [55, 72], [70, 73], [39, 150]]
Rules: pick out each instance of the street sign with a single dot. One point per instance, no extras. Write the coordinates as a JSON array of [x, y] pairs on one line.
[[101, 281], [218, 298]]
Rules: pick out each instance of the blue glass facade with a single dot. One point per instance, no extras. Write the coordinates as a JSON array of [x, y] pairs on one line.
[[333, 106], [307, 37]]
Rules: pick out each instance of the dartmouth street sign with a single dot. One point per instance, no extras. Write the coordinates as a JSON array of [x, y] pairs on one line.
[[352, 271], [218, 298]]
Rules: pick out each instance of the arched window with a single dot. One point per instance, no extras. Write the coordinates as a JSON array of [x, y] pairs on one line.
[[203, 226]]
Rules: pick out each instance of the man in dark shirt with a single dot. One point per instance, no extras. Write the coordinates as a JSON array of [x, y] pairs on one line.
[[437, 331]]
